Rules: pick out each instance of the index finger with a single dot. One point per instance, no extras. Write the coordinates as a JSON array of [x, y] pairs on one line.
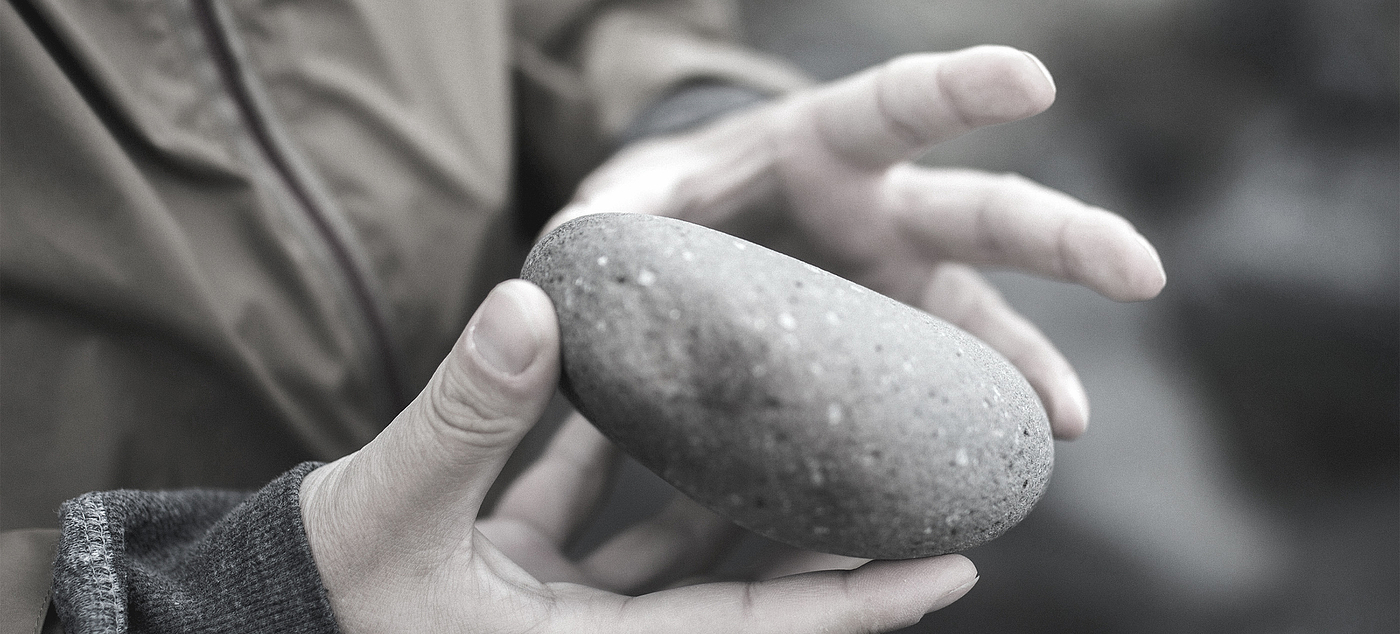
[[896, 110], [556, 494]]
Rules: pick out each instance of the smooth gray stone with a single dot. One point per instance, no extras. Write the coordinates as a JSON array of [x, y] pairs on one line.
[[802, 406]]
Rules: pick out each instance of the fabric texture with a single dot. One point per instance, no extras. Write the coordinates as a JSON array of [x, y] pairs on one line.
[[190, 561], [238, 235]]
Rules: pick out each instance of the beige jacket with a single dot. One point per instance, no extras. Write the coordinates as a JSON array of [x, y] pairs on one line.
[[237, 235]]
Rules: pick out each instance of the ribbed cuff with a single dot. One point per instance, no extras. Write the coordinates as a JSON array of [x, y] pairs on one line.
[[190, 561]]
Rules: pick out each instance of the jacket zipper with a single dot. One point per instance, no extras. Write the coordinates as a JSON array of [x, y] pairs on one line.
[[258, 128]]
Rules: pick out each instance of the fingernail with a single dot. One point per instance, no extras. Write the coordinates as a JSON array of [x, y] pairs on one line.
[[1043, 70], [1152, 251], [953, 595], [502, 333]]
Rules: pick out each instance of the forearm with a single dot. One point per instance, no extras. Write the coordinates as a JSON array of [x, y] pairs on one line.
[[591, 79]]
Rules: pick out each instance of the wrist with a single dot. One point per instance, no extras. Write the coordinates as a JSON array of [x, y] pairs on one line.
[[687, 107]]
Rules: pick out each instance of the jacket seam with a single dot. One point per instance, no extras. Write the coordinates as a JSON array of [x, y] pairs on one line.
[[232, 73]]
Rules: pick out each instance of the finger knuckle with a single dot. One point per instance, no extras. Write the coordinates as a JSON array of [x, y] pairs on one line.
[[462, 409]]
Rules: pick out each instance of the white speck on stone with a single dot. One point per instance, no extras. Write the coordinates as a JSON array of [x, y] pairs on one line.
[[832, 319], [602, 260], [759, 370], [820, 530], [601, 325], [674, 314], [928, 530], [739, 244], [816, 368], [687, 256], [908, 367], [960, 458], [834, 415], [645, 277], [578, 281], [787, 321]]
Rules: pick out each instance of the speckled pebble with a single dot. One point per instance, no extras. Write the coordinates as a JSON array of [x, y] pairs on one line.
[[802, 406]]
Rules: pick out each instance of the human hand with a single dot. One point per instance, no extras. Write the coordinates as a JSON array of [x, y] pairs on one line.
[[396, 538], [825, 174]]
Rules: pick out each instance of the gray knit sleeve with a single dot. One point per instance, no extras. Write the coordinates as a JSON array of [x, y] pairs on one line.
[[190, 561]]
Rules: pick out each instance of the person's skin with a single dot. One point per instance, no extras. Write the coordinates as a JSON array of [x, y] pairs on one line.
[[394, 527]]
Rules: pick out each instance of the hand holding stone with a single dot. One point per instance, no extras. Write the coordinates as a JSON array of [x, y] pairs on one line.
[[823, 174], [395, 535]]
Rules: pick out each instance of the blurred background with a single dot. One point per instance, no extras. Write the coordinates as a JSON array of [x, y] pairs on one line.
[[1240, 472]]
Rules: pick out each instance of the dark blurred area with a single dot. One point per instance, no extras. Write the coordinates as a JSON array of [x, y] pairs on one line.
[[1240, 473]]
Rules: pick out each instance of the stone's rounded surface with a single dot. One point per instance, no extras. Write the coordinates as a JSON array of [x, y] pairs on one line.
[[802, 406]]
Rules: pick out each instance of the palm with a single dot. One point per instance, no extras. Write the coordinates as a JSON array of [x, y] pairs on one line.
[[516, 557], [824, 174], [546, 506]]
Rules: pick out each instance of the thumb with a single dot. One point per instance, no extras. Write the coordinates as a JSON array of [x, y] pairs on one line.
[[424, 476]]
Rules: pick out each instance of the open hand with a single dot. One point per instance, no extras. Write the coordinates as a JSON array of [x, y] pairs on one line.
[[824, 174]]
